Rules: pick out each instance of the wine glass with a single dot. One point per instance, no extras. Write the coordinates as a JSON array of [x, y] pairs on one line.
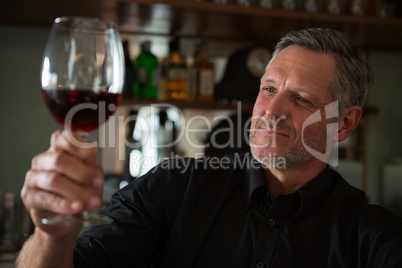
[[82, 79]]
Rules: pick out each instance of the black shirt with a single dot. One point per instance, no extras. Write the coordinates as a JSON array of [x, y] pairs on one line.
[[210, 213]]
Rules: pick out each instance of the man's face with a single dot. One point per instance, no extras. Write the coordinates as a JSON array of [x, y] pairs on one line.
[[295, 85]]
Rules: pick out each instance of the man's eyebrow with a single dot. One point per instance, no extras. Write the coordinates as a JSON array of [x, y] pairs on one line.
[[269, 80], [296, 90], [310, 96], [300, 90]]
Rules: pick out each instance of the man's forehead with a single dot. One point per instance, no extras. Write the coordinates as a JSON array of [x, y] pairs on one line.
[[303, 71]]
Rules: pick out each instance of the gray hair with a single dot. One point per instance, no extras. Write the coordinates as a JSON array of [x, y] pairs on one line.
[[353, 73]]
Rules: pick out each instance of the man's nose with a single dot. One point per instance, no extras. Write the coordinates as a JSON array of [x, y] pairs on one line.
[[277, 107]]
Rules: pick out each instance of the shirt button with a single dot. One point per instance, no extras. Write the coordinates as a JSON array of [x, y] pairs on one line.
[[271, 222], [259, 265]]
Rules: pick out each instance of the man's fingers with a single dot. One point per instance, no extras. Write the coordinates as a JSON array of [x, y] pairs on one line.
[[50, 202], [51, 191], [69, 166], [75, 145], [63, 180]]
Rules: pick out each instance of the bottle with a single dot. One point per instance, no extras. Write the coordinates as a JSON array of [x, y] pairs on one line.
[[162, 94], [289, 4], [129, 73], [146, 73], [334, 6], [131, 146], [9, 237], [358, 7], [176, 73], [192, 76], [204, 75], [311, 5], [267, 3], [244, 2]]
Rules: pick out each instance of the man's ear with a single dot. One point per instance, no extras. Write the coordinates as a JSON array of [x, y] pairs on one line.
[[349, 120]]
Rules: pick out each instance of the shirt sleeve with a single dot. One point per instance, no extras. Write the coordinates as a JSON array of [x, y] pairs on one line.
[[141, 213], [386, 247]]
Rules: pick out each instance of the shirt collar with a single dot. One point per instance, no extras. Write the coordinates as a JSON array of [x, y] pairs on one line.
[[316, 190], [310, 194], [255, 176]]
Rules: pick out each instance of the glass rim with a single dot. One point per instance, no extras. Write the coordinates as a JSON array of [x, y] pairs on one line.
[[101, 25]]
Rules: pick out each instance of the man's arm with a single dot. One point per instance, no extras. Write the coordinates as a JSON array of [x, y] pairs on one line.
[[386, 247], [40, 250], [64, 179]]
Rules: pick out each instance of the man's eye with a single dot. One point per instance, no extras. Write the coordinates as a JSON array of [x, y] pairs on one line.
[[269, 89], [303, 100]]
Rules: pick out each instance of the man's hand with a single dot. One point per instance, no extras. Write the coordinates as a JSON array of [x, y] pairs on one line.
[[64, 179]]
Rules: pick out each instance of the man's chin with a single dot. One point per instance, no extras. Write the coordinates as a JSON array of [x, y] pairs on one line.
[[281, 159], [270, 159]]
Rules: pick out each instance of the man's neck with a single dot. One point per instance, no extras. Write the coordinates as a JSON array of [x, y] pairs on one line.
[[288, 180]]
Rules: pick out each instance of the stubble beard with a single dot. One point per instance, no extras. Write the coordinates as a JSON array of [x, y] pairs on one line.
[[286, 158]]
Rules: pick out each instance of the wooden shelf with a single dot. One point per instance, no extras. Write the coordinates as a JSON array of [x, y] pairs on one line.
[[270, 12], [244, 106], [227, 27]]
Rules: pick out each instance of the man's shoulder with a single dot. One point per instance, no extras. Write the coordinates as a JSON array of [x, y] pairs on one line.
[[367, 216]]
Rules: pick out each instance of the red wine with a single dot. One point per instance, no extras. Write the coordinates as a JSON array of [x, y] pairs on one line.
[[82, 110]]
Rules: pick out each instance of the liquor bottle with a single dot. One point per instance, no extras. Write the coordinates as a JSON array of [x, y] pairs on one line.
[[146, 73], [335, 6], [129, 73], [205, 75], [132, 148], [162, 94], [267, 3], [9, 238], [192, 77], [176, 73], [311, 5], [289, 4]]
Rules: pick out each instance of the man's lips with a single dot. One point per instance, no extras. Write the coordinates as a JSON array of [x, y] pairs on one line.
[[273, 129], [273, 132]]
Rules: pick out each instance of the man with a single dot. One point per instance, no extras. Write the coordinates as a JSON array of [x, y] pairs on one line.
[[283, 207]]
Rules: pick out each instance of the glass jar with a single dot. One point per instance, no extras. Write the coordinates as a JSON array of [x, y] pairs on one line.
[[266, 3], [358, 7], [311, 5], [334, 6], [289, 4]]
